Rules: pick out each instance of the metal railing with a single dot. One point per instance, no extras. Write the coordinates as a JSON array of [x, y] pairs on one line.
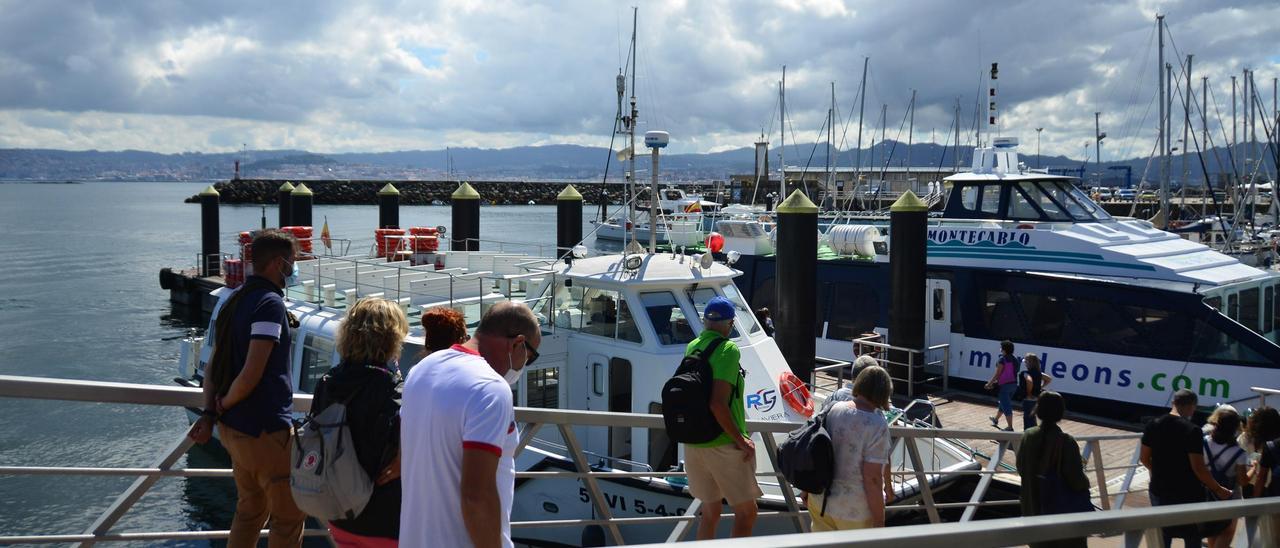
[[535, 420], [1263, 393], [928, 365], [1136, 525]]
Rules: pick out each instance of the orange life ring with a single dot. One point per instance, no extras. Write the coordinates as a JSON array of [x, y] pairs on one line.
[[795, 394]]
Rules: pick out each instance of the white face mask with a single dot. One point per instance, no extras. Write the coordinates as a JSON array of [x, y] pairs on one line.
[[512, 375]]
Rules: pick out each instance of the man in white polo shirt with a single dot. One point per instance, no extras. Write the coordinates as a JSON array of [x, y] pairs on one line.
[[458, 434]]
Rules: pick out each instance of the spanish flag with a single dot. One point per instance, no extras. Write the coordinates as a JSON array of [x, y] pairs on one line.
[[695, 207], [324, 234]]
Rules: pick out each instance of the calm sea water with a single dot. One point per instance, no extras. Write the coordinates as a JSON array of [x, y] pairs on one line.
[[80, 298]]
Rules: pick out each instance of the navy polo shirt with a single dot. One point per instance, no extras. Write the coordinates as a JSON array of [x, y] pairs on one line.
[[269, 407]]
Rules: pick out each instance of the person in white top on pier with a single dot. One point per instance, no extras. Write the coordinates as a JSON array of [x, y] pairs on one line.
[[860, 436], [459, 436]]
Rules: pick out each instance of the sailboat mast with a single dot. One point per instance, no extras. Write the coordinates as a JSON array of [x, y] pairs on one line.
[[911, 131], [831, 137], [862, 104], [1186, 126], [1164, 142], [631, 135], [782, 127], [955, 158]]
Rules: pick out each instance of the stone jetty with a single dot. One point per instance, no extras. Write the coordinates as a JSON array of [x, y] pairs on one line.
[[333, 192]]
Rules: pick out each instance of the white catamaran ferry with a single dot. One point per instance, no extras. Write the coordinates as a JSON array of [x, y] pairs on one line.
[[1121, 313], [614, 330]]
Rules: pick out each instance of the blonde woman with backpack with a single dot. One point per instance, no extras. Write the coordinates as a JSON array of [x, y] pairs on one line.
[[367, 378], [860, 438]]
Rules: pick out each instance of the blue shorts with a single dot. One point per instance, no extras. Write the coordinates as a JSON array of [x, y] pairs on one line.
[[1006, 397]]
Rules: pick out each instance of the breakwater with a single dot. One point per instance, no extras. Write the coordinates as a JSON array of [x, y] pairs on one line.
[[334, 192]]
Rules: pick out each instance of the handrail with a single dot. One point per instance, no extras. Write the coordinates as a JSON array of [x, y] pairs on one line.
[[1263, 393], [534, 419], [1135, 523]]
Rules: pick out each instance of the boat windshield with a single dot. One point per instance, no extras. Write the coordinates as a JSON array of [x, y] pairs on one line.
[[1057, 200], [744, 320]]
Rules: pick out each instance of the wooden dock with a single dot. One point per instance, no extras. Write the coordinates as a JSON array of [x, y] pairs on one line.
[[972, 412]]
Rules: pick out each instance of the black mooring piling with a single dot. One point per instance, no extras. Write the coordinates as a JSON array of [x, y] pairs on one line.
[[284, 203], [210, 256], [908, 256], [797, 264], [389, 207], [301, 202], [465, 232], [568, 220]]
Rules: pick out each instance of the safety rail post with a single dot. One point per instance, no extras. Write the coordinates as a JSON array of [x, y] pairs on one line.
[[922, 480], [1128, 476], [1100, 473], [984, 482], [593, 487], [136, 490], [788, 493]]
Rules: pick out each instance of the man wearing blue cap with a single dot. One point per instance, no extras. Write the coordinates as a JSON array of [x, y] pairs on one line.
[[725, 467]]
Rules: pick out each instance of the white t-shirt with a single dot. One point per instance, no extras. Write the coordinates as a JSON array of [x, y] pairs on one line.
[[858, 437], [452, 400]]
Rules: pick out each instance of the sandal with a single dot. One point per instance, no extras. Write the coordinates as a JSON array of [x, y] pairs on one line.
[[995, 421]]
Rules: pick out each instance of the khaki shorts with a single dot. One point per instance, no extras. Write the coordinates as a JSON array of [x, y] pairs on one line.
[[720, 473]]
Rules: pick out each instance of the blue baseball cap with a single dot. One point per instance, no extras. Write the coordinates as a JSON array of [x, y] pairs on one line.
[[718, 308]]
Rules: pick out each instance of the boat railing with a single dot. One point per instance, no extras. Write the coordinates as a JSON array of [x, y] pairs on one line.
[[1137, 525], [418, 286], [534, 420]]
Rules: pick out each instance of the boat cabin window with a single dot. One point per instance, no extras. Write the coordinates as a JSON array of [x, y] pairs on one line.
[[969, 197], [599, 312], [1269, 311], [542, 388], [317, 359], [1249, 308], [1213, 345], [1233, 306], [1020, 207], [1094, 325], [1003, 319], [668, 319], [855, 307], [1214, 302], [991, 199]]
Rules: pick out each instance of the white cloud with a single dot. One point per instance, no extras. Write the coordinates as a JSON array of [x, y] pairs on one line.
[[333, 76]]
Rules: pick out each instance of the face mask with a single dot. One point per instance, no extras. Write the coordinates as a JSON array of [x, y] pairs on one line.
[[513, 375], [291, 279]]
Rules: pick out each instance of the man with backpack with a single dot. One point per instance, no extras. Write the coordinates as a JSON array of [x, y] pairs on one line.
[[249, 395], [725, 467]]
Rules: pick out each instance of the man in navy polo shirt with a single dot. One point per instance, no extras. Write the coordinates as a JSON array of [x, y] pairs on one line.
[[248, 393]]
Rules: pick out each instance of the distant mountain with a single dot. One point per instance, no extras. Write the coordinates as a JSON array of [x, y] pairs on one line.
[[530, 162]]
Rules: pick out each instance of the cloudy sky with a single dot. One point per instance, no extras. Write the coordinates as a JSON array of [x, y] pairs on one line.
[[335, 76]]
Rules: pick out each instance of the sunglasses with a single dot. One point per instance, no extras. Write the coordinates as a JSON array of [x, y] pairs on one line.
[[532, 352]]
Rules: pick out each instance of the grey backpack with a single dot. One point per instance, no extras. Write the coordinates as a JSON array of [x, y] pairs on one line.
[[327, 479]]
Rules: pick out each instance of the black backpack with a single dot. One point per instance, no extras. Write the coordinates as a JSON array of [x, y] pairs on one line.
[[807, 459], [685, 398]]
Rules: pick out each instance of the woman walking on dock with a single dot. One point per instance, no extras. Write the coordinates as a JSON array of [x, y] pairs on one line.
[[1005, 380], [1052, 472], [368, 380]]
